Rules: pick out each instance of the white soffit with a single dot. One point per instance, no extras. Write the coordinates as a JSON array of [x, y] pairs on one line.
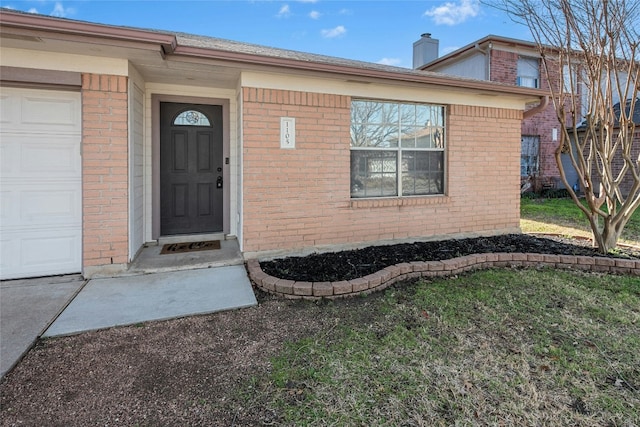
[[63, 61], [397, 91]]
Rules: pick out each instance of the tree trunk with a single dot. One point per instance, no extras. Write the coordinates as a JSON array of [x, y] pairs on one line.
[[605, 239]]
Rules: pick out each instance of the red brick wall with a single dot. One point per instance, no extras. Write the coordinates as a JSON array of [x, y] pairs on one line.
[[617, 163], [104, 169], [504, 67], [544, 122], [542, 125], [504, 70], [296, 199]]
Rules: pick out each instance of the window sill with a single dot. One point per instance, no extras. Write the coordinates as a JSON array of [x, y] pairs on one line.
[[383, 202]]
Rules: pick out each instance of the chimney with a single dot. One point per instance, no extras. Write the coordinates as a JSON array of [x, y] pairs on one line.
[[425, 50]]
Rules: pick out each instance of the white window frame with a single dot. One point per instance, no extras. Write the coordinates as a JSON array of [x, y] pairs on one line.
[[398, 149], [526, 77]]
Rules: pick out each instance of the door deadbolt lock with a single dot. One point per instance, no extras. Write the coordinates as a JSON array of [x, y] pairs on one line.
[[219, 182]]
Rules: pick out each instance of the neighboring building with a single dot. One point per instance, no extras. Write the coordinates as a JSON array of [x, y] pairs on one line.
[[513, 62], [114, 137], [618, 162]]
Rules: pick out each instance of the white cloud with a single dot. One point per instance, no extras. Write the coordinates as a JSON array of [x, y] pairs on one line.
[[314, 14], [284, 12], [60, 11], [390, 61], [344, 12], [453, 13], [333, 32], [307, 1]]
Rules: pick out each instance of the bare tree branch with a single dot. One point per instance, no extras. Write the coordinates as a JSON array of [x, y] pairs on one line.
[[594, 46]]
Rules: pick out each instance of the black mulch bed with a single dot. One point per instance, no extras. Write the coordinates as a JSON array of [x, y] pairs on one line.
[[351, 264]]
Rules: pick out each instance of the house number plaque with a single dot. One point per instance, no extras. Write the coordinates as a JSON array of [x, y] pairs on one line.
[[287, 132]]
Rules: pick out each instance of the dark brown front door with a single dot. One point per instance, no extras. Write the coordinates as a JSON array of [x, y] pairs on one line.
[[191, 166]]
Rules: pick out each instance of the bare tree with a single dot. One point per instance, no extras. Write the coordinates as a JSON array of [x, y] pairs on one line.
[[590, 55]]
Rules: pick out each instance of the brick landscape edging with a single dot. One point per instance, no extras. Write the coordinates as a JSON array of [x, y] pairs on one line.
[[407, 270]]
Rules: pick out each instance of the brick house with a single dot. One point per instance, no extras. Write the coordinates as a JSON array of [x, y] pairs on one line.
[[113, 138], [513, 62], [618, 162]]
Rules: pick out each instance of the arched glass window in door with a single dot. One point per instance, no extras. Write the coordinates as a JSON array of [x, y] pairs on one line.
[[191, 118]]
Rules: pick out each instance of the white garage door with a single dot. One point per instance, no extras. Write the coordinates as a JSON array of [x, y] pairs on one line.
[[40, 183]]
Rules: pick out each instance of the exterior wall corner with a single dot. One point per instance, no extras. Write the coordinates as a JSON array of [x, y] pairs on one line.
[[105, 170]]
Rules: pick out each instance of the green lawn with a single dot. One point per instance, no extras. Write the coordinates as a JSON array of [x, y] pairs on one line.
[[497, 347], [500, 347], [562, 216]]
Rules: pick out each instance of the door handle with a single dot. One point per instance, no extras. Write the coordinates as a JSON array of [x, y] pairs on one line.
[[219, 182]]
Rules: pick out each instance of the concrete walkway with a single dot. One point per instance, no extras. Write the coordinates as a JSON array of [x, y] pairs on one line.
[[67, 305], [27, 308], [104, 303]]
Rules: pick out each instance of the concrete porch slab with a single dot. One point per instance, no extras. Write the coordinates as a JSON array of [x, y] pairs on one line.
[[127, 300], [150, 260]]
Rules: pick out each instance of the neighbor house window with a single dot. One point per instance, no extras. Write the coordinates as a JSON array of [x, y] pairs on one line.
[[396, 149], [529, 164], [569, 80], [528, 72]]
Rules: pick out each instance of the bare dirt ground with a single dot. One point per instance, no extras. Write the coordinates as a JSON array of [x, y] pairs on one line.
[[196, 371], [185, 372]]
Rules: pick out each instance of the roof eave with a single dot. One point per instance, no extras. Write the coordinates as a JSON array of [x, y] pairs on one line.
[[10, 19], [168, 43], [412, 77], [478, 43]]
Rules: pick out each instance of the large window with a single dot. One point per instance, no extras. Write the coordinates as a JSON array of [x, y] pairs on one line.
[[396, 149]]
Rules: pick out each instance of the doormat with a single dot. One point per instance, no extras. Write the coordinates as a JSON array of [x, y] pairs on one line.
[[178, 248]]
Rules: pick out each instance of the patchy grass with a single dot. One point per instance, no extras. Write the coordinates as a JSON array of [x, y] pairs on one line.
[[504, 347], [498, 347], [562, 216]]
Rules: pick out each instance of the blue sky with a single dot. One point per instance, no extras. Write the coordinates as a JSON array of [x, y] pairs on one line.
[[373, 31]]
